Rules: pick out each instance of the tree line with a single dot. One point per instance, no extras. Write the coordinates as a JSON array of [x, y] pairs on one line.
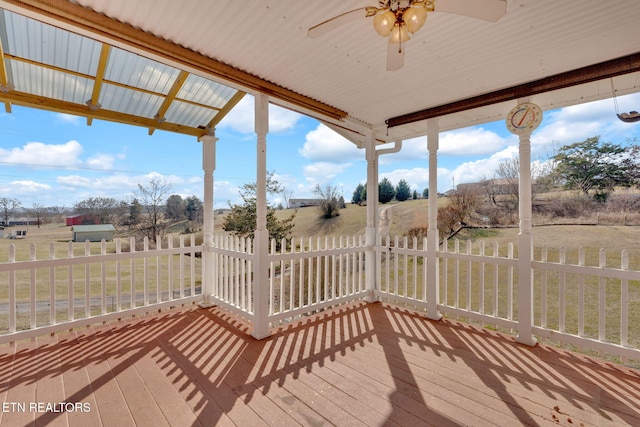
[[151, 211]]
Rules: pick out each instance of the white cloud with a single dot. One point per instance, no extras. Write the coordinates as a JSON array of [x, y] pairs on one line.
[[26, 186], [470, 142], [69, 118], [101, 161], [241, 117], [417, 178], [323, 144], [323, 172], [39, 154]]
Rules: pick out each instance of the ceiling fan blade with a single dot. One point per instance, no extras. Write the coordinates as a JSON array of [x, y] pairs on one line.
[[487, 10], [395, 56], [335, 22]]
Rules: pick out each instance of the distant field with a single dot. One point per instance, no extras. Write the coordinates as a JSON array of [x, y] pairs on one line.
[[352, 221]]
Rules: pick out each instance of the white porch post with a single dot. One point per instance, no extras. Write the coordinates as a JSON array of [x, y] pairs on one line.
[[209, 166], [433, 270], [261, 236], [371, 230], [525, 245]]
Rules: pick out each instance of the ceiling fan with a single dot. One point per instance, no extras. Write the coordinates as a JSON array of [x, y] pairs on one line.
[[398, 19]]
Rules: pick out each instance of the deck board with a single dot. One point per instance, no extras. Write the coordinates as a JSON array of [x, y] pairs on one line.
[[359, 364]]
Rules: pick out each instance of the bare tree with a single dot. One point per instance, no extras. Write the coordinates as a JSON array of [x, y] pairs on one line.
[[152, 198], [39, 213], [329, 200], [8, 207], [105, 210]]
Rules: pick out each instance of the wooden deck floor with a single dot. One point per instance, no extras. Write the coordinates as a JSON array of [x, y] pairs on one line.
[[362, 364]]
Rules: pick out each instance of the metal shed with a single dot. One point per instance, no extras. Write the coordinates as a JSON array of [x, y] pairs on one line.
[[93, 233]]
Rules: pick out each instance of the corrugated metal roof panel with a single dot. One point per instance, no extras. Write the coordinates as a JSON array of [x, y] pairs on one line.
[[205, 91], [189, 115], [136, 71], [141, 104], [46, 44], [49, 83]]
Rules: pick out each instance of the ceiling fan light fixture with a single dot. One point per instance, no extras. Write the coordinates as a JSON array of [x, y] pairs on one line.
[[383, 22], [414, 17], [399, 34]]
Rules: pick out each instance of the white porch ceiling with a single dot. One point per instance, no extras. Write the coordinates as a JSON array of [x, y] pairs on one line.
[[452, 58]]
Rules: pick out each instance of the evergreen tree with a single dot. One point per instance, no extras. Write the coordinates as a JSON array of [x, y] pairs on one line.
[[242, 219], [386, 192], [425, 193], [357, 195], [403, 191], [414, 195], [175, 207]]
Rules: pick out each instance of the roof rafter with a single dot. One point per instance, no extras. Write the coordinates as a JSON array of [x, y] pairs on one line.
[[170, 97], [4, 79], [97, 85], [44, 103]]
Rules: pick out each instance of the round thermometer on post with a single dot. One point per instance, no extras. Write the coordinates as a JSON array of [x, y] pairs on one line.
[[524, 118]]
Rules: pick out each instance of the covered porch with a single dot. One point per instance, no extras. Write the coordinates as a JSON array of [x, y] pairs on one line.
[[325, 330]]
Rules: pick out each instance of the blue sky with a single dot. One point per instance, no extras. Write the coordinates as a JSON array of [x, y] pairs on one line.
[[57, 160]]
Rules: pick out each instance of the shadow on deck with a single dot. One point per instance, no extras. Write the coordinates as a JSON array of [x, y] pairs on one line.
[[360, 364]]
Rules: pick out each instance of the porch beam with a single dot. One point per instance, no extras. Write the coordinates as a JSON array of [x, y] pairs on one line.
[[604, 70]]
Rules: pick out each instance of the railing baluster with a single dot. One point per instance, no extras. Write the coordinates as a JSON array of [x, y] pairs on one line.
[[581, 256], [118, 276], [12, 290], [543, 291], [32, 287], [70, 291], [624, 301], [602, 306], [192, 264], [132, 274], [561, 292], [159, 271], [169, 266], [87, 280], [469, 307], [145, 273], [495, 281], [181, 266], [52, 286], [481, 278], [103, 277], [456, 277]]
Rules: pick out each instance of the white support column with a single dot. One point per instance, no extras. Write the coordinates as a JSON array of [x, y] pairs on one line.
[[261, 236], [208, 166], [525, 247], [371, 233], [433, 265]]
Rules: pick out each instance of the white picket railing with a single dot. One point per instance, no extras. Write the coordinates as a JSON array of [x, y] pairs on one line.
[[590, 306], [305, 275], [586, 306], [39, 296]]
